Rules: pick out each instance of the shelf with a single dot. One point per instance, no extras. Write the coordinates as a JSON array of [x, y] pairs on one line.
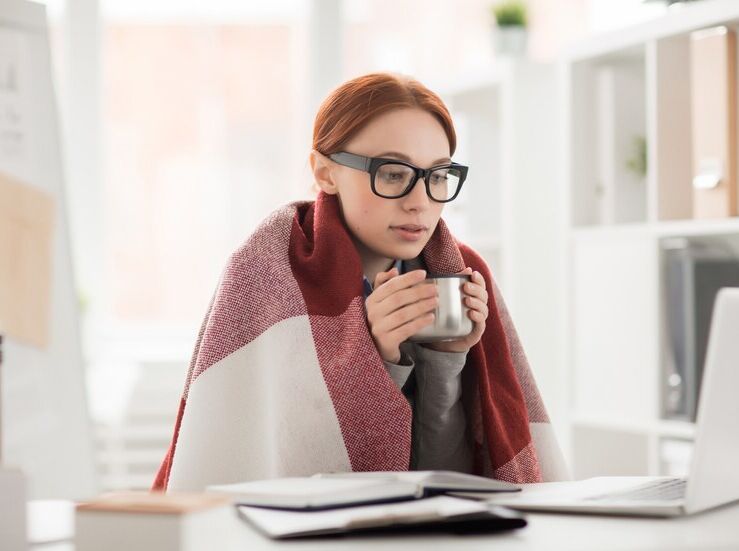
[[620, 42], [689, 228], [628, 90], [609, 230], [677, 228], [676, 429], [662, 428]]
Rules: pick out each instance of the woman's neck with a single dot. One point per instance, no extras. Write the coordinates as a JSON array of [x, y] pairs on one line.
[[372, 263]]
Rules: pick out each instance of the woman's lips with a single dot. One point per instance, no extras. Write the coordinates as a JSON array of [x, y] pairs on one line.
[[409, 233]]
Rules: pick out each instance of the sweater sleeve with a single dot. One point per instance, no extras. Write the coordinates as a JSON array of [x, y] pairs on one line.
[[400, 371], [439, 424]]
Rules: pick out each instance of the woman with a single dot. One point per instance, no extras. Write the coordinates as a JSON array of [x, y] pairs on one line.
[[303, 365]]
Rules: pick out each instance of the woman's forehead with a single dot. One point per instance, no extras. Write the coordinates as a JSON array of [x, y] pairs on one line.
[[411, 135], [408, 158]]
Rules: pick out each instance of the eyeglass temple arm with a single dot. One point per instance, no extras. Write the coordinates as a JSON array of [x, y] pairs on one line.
[[351, 160]]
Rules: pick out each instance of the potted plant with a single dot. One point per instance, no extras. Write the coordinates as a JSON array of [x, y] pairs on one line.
[[637, 163], [510, 32]]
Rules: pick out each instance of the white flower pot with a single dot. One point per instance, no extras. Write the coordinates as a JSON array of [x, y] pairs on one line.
[[510, 40]]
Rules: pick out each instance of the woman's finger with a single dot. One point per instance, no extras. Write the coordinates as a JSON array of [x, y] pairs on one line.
[[395, 284], [477, 316], [404, 297], [477, 278], [475, 290], [404, 332], [408, 313], [382, 277], [476, 304]]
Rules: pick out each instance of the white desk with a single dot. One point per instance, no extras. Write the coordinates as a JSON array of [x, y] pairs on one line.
[[714, 530]]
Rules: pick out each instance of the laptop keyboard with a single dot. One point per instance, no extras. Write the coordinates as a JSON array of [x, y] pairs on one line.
[[660, 490]]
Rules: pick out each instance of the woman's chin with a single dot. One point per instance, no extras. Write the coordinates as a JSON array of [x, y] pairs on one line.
[[401, 250], [408, 251]]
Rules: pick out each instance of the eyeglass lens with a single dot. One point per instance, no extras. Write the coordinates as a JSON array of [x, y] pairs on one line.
[[392, 180]]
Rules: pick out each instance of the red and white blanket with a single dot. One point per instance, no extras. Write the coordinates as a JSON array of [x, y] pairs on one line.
[[286, 380]]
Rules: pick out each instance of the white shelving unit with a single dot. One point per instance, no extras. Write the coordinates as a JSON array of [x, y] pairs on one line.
[[618, 87], [508, 128]]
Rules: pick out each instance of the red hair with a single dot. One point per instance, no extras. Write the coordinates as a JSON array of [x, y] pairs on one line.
[[356, 102]]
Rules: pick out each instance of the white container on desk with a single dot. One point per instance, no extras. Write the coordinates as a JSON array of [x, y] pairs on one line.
[[161, 522]]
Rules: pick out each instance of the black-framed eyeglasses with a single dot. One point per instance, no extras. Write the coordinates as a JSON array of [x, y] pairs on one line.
[[392, 179]]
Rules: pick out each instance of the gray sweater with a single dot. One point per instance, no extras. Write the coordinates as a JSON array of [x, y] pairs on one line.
[[432, 383]]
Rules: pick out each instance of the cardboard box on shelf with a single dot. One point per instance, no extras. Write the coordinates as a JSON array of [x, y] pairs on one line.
[[714, 97]]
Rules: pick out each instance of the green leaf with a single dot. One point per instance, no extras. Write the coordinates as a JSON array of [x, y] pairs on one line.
[[510, 13]]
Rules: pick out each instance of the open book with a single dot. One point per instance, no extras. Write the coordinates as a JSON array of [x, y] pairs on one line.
[[327, 491]]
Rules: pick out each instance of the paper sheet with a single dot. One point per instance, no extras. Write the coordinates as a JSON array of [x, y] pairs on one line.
[[26, 236]]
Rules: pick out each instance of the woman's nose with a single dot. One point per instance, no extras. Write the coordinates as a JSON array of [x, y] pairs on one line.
[[417, 199]]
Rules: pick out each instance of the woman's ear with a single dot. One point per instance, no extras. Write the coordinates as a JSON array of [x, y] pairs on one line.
[[321, 167]]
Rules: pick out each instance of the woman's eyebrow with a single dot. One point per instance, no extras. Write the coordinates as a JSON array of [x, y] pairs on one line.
[[407, 159]]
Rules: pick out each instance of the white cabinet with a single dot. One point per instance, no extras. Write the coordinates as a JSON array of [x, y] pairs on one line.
[[621, 88]]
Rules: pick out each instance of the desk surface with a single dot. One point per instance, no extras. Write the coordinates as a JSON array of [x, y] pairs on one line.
[[717, 529]]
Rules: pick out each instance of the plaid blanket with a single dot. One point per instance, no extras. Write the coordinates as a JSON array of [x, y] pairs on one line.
[[286, 380]]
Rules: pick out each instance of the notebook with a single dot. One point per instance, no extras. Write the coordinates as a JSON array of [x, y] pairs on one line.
[[326, 491], [431, 482]]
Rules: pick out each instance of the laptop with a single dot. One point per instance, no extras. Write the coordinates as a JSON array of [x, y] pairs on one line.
[[713, 479]]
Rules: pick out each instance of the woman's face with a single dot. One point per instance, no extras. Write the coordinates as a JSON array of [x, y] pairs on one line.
[[410, 135]]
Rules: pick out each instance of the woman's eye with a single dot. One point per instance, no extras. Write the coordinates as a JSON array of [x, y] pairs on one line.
[[393, 176]]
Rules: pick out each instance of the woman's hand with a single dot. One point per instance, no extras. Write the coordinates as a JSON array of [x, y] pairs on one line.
[[399, 307], [476, 299]]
